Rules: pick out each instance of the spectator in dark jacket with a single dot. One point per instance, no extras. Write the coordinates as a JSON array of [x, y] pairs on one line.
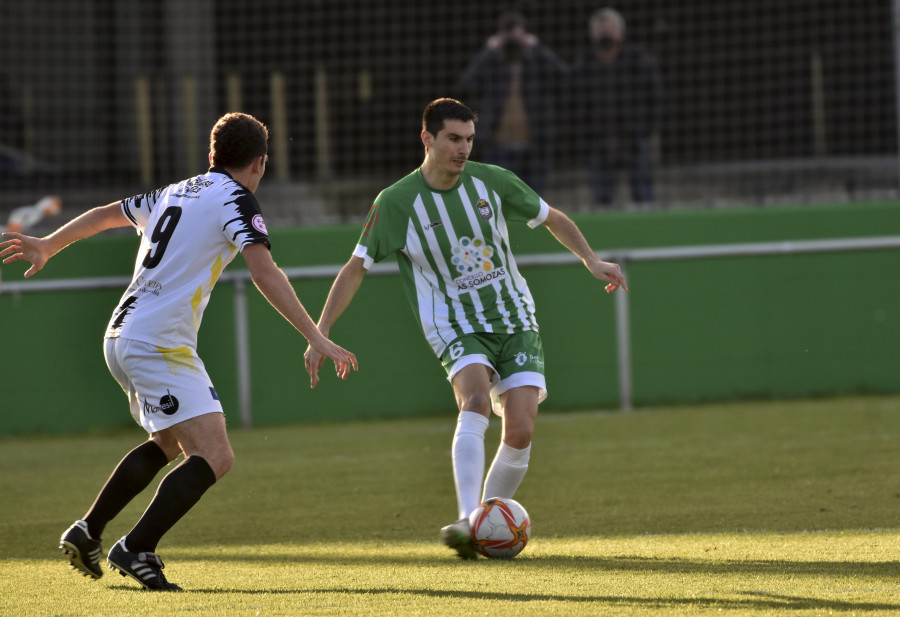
[[514, 80], [617, 99]]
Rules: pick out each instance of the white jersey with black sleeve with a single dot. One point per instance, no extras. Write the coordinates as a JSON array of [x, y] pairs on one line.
[[190, 231]]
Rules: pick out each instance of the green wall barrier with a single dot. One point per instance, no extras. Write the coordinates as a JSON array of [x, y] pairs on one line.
[[701, 329]]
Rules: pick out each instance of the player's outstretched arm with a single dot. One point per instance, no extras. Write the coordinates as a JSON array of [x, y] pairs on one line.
[[275, 286], [345, 286], [566, 231], [38, 251]]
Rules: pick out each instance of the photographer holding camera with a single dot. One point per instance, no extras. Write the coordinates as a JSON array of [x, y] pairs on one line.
[[513, 79]]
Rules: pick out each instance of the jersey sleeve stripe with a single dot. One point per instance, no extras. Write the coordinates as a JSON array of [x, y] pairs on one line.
[[127, 212], [542, 215], [363, 253]]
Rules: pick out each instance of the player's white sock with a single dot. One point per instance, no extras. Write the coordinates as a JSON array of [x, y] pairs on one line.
[[506, 472], [468, 460]]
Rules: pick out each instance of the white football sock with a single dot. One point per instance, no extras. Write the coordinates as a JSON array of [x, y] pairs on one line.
[[468, 460], [506, 472]]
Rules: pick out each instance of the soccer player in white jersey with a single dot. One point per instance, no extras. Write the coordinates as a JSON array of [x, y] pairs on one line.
[[190, 231], [447, 224]]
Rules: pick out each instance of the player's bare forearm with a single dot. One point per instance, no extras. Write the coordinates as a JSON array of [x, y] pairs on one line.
[[274, 285], [344, 288], [86, 225], [342, 291], [567, 233]]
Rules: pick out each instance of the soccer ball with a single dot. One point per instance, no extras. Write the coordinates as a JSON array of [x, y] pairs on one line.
[[500, 528]]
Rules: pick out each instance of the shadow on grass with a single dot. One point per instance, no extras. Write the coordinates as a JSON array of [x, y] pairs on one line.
[[754, 600], [878, 569]]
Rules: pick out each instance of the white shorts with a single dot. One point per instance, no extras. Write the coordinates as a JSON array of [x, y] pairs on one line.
[[164, 386]]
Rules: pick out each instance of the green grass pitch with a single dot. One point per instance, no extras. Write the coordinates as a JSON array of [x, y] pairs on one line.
[[755, 508]]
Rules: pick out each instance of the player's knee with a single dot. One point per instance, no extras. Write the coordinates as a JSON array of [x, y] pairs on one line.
[[220, 458], [517, 439], [224, 462], [479, 402], [517, 432]]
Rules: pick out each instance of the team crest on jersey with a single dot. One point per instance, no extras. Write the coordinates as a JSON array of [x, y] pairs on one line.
[[484, 209], [259, 224]]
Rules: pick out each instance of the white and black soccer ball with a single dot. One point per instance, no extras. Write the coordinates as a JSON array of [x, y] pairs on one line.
[[500, 528]]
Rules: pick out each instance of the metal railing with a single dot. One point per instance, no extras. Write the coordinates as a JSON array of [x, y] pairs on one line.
[[240, 278]]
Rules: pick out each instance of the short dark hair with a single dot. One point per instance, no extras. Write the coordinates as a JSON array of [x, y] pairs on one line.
[[237, 139], [445, 109]]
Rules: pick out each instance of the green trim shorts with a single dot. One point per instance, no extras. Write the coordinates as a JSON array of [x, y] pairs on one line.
[[514, 360]]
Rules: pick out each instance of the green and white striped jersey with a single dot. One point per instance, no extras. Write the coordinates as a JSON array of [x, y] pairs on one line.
[[453, 249]]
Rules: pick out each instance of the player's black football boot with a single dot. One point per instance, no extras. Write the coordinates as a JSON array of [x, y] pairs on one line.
[[145, 568], [83, 551]]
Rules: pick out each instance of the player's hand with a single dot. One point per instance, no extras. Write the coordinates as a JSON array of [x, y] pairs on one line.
[[609, 272], [315, 357], [25, 248]]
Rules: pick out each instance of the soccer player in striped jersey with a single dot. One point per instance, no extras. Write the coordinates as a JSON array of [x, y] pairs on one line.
[[447, 224], [190, 231]]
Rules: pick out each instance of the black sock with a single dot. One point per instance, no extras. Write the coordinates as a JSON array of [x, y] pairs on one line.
[[133, 474], [177, 493]]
